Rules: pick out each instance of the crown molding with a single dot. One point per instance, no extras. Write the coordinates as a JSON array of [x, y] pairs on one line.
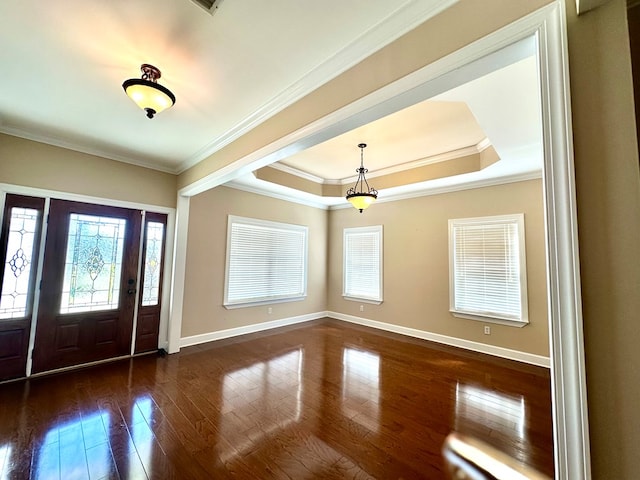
[[297, 172], [428, 191], [329, 203], [77, 147], [403, 20], [288, 197], [441, 157]]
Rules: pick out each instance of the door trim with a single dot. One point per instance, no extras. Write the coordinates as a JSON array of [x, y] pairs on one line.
[[163, 340]]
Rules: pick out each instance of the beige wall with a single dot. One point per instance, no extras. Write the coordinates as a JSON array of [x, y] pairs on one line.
[[416, 289], [416, 263], [33, 164], [608, 194], [205, 265]]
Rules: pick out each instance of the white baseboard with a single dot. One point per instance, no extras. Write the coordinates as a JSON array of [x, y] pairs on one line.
[[256, 327], [507, 353]]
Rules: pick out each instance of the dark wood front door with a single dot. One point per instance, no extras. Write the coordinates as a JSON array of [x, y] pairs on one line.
[[19, 247], [88, 287]]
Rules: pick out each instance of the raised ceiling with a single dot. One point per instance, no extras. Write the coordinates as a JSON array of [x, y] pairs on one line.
[[496, 107]]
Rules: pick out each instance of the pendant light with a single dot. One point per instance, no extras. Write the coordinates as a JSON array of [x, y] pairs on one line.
[[147, 93], [361, 199]]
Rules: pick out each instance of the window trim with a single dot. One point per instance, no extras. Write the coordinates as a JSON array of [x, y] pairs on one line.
[[363, 299], [517, 219], [266, 300]]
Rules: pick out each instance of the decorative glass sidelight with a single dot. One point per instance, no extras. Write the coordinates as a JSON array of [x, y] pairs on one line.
[[93, 264], [18, 265], [152, 263]]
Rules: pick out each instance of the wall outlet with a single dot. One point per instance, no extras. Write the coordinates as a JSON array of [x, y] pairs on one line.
[[362, 308], [487, 330], [270, 310]]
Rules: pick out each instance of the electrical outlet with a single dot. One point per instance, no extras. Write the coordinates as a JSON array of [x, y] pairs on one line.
[[487, 330], [269, 310], [362, 308]]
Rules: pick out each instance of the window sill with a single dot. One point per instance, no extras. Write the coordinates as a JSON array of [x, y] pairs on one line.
[[362, 300], [258, 303], [499, 321]]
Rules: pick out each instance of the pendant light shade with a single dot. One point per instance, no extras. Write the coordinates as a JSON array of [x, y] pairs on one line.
[[147, 93], [361, 199]]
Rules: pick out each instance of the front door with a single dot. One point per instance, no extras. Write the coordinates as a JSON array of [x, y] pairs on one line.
[[88, 288]]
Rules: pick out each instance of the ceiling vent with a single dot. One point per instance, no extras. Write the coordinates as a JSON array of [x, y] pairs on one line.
[[209, 5]]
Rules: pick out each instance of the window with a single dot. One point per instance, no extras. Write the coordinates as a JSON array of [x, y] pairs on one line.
[[266, 262], [362, 264], [19, 244], [487, 275], [93, 264], [153, 253]]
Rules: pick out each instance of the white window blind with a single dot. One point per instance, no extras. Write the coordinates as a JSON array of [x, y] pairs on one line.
[[363, 263], [266, 262], [488, 270]]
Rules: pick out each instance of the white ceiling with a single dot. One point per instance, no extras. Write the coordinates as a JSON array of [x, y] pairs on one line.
[[424, 130], [63, 64]]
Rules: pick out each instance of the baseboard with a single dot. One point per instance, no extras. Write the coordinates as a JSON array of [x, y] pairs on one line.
[[507, 353], [256, 327]]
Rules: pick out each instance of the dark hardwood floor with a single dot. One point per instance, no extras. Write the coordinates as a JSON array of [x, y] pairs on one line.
[[324, 399]]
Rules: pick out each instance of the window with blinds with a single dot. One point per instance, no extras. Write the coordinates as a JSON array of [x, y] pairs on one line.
[[362, 264], [487, 275], [266, 262]]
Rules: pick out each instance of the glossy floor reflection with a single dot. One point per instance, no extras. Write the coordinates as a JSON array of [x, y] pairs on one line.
[[319, 400]]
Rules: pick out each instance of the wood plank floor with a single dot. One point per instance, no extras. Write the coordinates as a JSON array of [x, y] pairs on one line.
[[324, 399]]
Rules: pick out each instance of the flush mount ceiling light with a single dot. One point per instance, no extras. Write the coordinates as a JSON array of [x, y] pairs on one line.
[[146, 92], [361, 199]]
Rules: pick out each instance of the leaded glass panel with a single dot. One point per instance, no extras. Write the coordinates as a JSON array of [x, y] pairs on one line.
[[93, 264], [152, 263], [18, 264]]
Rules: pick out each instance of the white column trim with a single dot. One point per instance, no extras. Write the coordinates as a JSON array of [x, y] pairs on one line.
[[167, 280], [174, 328], [569, 391]]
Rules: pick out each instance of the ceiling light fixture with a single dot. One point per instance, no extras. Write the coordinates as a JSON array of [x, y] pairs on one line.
[[146, 92], [361, 199]]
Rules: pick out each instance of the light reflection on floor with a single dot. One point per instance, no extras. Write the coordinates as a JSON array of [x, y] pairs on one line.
[[5, 454], [361, 387], [257, 401], [141, 433], [490, 409], [76, 449]]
